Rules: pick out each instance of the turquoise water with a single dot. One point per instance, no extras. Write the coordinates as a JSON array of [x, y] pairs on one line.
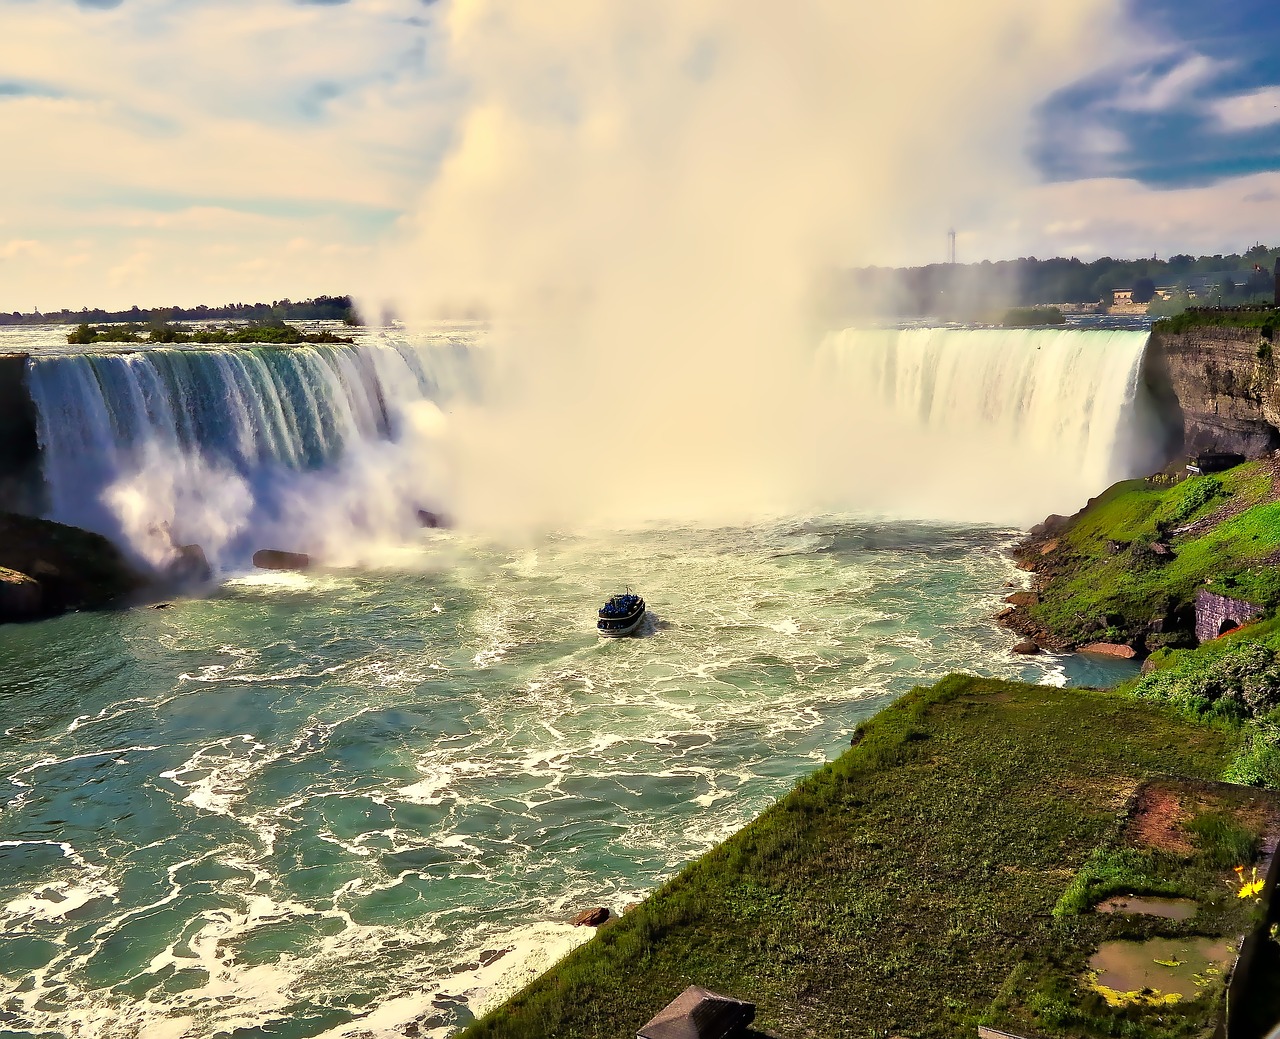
[[340, 802]]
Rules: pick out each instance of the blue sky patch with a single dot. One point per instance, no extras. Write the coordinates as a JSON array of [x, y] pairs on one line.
[[1206, 108]]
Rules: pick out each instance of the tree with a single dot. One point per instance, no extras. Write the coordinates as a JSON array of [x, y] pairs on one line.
[[1143, 290]]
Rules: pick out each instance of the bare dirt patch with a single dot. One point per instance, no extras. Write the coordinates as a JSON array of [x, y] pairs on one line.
[[1157, 817]]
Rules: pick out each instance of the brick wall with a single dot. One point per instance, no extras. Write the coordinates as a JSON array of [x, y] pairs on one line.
[[1213, 611]]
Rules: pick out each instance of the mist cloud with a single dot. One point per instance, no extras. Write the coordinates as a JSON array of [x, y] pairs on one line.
[[643, 195]]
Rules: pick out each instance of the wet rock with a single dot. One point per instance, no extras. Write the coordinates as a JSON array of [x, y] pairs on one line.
[[1110, 649], [1026, 648], [1006, 613], [591, 917], [279, 559], [21, 598], [1052, 524], [189, 565], [72, 569], [1023, 599], [431, 520]]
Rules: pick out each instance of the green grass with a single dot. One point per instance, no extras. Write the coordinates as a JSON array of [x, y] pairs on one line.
[[1223, 841], [1260, 316], [1115, 871], [900, 888], [1107, 583]]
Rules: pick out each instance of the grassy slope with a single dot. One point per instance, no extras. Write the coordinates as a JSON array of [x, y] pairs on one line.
[[1095, 592], [895, 890], [1258, 315]]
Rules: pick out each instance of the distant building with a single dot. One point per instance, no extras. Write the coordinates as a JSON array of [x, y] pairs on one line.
[[1121, 297]]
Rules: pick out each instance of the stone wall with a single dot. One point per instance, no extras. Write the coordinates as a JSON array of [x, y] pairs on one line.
[[1221, 385], [1216, 613], [21, 483]]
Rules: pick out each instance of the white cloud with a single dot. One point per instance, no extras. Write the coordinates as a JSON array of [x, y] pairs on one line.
[[187, 122], [1148, 91], [1250, 111]]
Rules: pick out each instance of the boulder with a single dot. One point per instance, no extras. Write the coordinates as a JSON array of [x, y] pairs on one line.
[[432, 520], [1051, 525], [1026, 648], [591, 917], [279, 559], [1049, 547], [1110, 649], [73, 569], [1023, 599], [21, 598], [189, 565]]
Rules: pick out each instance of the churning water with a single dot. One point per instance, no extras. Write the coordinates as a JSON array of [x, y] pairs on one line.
[[340, 802]]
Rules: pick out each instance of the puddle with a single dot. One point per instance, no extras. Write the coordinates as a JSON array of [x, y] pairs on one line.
[[1162, 970], [1140, 905]]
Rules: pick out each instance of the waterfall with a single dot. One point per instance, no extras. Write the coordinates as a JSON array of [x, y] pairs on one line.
[[1048, 417], [331, 449], [170, 446]]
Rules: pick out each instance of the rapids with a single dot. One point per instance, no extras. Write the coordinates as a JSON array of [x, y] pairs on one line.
[[340, 802]]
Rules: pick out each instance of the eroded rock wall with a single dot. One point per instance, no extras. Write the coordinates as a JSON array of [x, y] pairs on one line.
[[1222, 383], [21, 483]]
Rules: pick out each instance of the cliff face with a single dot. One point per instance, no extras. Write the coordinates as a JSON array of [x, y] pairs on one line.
[[21, 485], [1224, 383]]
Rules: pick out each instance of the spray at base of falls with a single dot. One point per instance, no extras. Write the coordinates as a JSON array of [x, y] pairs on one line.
[[332, 449], [992, 425], [321, 447]]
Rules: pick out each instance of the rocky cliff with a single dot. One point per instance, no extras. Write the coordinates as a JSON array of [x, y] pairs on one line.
[[1221, 384], [21, 485], [49, 568]]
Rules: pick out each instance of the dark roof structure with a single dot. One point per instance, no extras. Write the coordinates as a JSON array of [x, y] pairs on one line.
[[699, 1014]]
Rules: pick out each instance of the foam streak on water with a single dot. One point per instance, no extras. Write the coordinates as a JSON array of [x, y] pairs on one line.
[[334, 804]]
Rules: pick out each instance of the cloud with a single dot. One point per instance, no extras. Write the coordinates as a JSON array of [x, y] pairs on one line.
[[1251, 111], [1153, 90], [322, 119]]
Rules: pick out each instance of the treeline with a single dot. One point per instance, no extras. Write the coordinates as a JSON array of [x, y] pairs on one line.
[[322, 308], [966, 290]]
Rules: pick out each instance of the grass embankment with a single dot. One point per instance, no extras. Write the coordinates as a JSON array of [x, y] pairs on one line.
[[1262, 316], [281, 334], [1232, 682], [909, 884], [1126, 569]]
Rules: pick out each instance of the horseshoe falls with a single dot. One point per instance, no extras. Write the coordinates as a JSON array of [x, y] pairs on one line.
[[366, 799]]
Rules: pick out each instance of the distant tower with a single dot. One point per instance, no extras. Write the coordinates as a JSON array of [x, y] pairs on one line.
[[952, 236]]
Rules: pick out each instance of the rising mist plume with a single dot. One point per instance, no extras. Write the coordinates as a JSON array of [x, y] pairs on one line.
[[644, 196]]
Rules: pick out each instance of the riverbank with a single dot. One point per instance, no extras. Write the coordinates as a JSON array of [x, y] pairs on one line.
[[1125, 570], [909, 887]]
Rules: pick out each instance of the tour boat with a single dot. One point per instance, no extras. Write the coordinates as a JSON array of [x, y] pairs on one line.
[[621, 615]]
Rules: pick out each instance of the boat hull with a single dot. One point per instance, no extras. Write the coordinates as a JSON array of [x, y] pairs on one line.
[[625, 626]]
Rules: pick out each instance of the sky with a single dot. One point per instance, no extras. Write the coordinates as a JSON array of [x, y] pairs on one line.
[[164, 152]]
